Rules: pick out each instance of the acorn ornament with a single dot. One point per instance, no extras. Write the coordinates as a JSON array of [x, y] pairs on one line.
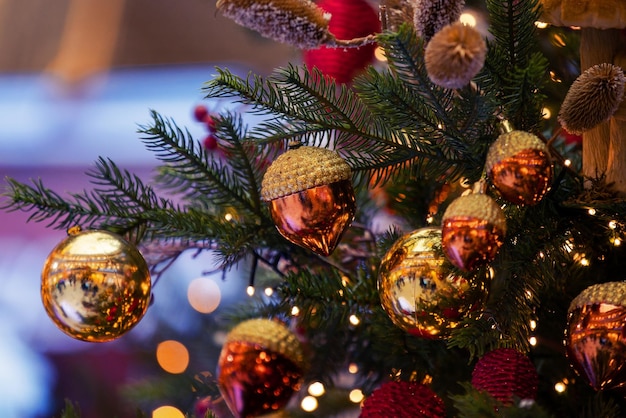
[[310, 196], [260, 367], [518, 164], [595, 336], [473, 230], [95, 285]]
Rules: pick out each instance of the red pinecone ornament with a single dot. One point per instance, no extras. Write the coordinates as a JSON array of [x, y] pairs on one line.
[[349, 19], [403, 400], [505, 374]]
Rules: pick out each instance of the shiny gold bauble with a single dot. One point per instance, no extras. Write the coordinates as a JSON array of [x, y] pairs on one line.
[[473, 230], [416, 291], [260, 367], [311, 199], [95, 286], [518, 164], [595, 337]]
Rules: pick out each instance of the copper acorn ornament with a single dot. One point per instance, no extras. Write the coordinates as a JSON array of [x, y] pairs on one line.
[[518, 164], [473, 230], [95, 285], [260, 367], [310, 196], [415, 289], [595, 336]]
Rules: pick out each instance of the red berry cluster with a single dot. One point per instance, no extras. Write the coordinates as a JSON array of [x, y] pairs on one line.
[[202, 115]]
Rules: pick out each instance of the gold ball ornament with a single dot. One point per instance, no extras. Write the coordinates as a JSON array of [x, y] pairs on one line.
[[95, 285], [310, 195], [518, 164], [260, 367], [595, 336], [415, 289], [473, 230]]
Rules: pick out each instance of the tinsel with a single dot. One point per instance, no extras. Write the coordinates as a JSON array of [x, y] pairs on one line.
[[592, 98], [429, 16]]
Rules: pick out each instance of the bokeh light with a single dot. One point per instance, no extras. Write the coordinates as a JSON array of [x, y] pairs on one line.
[[172, 356], [204, 295], [167, 411]]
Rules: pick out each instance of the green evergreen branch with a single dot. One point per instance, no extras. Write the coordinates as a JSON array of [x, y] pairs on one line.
[[190, 171]]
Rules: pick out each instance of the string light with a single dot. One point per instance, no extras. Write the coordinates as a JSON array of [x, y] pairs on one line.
[[250, 290], [561, 386], [468, 19], [228, 217], [269, 291], [541, 25], [354, 320], [612, 224], [567, 162], [533, 324], [617, 242], [353, 368], [316, 389], [546, 113], [308, 404], [532, 341], [591, 211], [295, 311], [356, 395]]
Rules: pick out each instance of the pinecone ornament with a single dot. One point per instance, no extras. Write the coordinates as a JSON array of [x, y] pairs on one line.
[[311, 198]]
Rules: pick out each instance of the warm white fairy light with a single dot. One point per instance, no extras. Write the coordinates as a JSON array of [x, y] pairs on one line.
[[546, 113], [308, 404], [617, 242], [468, 19], [430, 219], [250, 290], [560, 387], [591, 211], [353, 368], [269, 291], [541, 25], [379, 54], [584, 261], [295, 311], [354, 320], [567, 162], [533, 324], [612, 224], [228, 217], [356, 395], [316, 389], [532, 341]]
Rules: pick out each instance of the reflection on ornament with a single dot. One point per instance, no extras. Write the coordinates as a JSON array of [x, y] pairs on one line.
[[95, 286], [315, 218], [415, 290], [260, 367], [310, 195], [518, 164], [473, 231], [596, 336]]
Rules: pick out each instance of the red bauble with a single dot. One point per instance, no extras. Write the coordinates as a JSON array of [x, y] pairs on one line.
[[505, 374], [403, 400], [210, 142], [349, 19], [200, 112]]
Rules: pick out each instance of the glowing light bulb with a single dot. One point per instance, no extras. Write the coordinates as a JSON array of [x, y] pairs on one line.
[[560, 387], [468, 19], [172, 356], [269, 291], [316, 389], [356, 395], [353, 368], [541, 25], [533, 324], [308, 404], [250, 290], [591, 211], [295, 311], [532, 341], [354, 320], [612, 224]]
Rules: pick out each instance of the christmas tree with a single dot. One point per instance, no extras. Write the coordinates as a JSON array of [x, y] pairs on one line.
[[503, 242]]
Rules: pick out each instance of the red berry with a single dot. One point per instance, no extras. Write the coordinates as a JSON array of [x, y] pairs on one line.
[[210, 142], [200, 112], [210, 122]]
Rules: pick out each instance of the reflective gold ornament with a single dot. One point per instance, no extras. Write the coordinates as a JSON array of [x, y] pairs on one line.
[[260, 367], [311, 199], [595, 337], [518, 164], [95, 285], [473, 230], [416, 291]]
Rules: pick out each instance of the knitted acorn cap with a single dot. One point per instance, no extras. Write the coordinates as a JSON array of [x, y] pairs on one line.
[[510, 143], [294, 22], [613, 293], [301, 169], [476, 205], [403, 399], [270, 335]]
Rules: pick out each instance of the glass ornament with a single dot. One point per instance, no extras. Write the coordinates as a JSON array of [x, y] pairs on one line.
[[95, 285]]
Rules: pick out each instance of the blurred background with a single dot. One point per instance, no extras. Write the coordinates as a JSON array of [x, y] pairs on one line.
[[77, 78]]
